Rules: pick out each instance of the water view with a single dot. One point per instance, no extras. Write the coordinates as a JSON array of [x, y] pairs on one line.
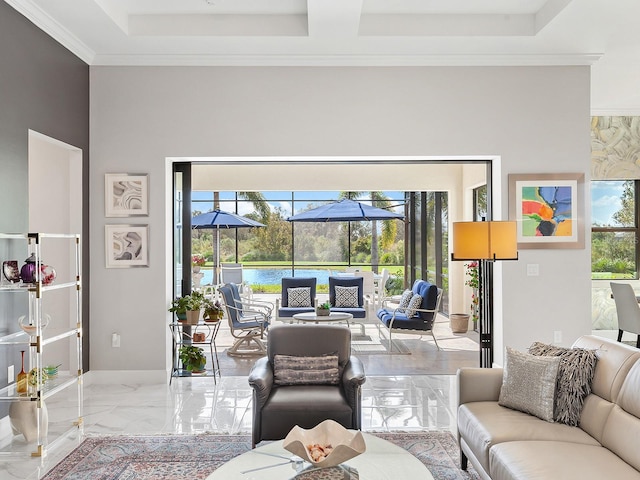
[[273, 276]]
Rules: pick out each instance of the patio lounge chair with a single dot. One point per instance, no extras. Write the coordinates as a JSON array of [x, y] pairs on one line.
[[417, 321], [298, 296], [248, 322]]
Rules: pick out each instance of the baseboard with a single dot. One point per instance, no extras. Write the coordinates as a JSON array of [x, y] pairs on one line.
[[140, 377]]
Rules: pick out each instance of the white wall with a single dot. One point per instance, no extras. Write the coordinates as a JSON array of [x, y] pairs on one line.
[[534, 119]]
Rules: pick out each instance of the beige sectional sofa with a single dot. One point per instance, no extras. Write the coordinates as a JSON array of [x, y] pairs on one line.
[[502, 443]]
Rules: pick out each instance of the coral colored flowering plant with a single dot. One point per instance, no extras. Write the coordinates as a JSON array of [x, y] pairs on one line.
[[474, 282], [197, 260]]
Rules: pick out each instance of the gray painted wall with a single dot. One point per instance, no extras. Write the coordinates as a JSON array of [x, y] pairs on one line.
[[535, 118], [43, 87]]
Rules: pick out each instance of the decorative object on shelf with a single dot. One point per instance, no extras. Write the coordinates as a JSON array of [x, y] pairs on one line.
[[199, 337], [193, 358], [28, 272], [21, 380], [11, 271], [213, 311], [32, 379], [29, 326], [23, 416], [126, 195], [459, 322], [51, 370], [548, 209], [323, 310], [127, 246]]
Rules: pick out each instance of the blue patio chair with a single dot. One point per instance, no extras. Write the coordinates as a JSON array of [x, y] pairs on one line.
[[357, 309], [248, 322], [418, 322], [292, 301]]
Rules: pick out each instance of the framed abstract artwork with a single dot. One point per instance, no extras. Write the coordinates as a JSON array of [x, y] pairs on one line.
[[126, 195], [126, 246], [548, 209]]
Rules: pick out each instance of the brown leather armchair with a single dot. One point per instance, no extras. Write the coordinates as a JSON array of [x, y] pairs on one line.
[[278, 408]]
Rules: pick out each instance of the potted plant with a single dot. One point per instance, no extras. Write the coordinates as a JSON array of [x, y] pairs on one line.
[[187, 308], [193, 358], [323, 310], [213, 311], [197, 261]]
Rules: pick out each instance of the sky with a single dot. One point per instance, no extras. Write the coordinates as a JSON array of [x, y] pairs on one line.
[[605, 201]]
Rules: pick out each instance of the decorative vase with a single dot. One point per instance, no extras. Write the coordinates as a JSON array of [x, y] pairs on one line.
[[28, 272], [459, 322], [21, 380], [23, 416], [29, 326]]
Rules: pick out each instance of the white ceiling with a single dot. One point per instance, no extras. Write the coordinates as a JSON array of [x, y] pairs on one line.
[[359, 33]]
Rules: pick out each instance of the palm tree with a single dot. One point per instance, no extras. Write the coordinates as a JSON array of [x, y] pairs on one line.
[[389, 227]]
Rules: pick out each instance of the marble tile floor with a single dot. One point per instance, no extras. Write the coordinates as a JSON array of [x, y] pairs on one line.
[[196, 405]]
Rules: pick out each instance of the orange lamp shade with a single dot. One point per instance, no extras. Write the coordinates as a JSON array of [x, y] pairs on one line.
[[484, 241]]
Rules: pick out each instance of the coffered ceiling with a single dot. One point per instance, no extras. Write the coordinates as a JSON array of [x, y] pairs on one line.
[[599, 33]]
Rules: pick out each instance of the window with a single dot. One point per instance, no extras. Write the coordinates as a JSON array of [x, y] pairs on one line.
[[614, 229]]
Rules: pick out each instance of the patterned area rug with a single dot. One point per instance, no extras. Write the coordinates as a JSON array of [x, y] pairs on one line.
[[175, 457]]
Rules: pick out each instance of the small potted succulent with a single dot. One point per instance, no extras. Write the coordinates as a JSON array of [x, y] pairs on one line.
[[323, 310], [193, 358]]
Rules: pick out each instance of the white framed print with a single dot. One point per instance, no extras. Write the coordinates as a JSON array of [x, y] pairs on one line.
[[126, 194], [126, 246]]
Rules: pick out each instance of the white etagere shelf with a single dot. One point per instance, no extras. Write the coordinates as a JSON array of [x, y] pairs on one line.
[[35, 342]]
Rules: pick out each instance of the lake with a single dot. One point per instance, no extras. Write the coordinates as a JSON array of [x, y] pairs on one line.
[[273, 276]]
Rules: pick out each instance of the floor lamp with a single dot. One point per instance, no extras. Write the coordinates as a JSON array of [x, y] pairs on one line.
[[485, 242]]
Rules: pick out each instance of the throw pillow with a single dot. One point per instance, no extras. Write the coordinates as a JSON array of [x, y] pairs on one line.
[[299, 296], [347, 297], [293, 370], [414, 303], [529, 383], [405, 299], [577, 367]]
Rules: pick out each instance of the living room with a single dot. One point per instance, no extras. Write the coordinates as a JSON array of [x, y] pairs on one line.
[[522, 118]]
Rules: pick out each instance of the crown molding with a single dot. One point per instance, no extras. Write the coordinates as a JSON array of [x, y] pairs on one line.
[[398, 60], [52, 28]]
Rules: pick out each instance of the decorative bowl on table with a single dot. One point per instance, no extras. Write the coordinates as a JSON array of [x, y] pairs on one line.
[[51, 370], [326, 445]]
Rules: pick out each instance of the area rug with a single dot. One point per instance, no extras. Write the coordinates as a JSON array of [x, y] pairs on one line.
[[194, 457]]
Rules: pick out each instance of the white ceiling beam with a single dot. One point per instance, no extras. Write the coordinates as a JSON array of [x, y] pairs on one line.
[[548, 12], [334, 18]]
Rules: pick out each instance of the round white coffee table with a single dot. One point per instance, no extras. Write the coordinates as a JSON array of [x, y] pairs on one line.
[[311, 317], [381, 461]]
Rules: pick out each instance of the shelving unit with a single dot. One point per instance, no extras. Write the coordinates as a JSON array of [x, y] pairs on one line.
[[36, 343], [182, 334]]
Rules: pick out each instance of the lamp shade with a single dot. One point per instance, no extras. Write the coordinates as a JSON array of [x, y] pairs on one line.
[[484, 241]]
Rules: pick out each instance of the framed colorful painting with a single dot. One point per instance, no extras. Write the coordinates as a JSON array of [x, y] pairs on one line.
[[548, 209]]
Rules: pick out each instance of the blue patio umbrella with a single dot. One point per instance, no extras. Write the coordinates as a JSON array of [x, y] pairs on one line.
[[345, 211], [217, 219]]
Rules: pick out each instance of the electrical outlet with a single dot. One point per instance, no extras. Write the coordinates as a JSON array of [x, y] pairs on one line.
[[11, 374], [115, 340]]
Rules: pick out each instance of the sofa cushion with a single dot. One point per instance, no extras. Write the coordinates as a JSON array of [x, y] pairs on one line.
[[346, 297], [573, 384], [405, 299], [484, 424], [299, 370], [414, 304], [299, 296], [529, 383], [549, 459]]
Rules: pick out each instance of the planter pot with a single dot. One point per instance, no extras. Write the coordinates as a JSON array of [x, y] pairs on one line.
[[323, 312], [459, 322], [22, 416], [193, 316]]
